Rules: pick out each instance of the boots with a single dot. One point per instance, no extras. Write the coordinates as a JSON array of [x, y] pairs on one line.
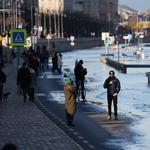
[[109, 117], [116, 118], [70, 123]]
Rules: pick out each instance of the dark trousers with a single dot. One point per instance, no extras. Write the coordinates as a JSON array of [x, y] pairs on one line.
[[25, 90], [31, 93], [110, 98], [80, 83], [1, 90], [70, 117]]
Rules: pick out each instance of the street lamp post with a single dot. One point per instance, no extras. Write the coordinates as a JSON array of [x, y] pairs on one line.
[[3, 16], [62, 27], [58, 26], [55, 23], [50, 22]]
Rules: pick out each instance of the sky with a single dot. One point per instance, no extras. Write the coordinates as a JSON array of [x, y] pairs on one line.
[[139, 5]]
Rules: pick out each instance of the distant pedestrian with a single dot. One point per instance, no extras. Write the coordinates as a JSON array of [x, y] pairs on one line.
[[53, 45], [38, 50], [35, 65], [47, 58], [43, 48], [32, 84], [55, 63], [113, 87], [25, 59], [42, 57], [24, 79], [70, 101], [59, 62], [2, 81], [53, 55]]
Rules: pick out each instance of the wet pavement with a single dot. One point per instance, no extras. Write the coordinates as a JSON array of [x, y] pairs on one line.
[[24, 125]]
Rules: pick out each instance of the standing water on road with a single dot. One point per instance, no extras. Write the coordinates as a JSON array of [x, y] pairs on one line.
[[133, 99]]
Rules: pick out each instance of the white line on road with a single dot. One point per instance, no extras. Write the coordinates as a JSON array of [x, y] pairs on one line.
[[40, 94], [71, 129], [80, 137], [75, 133], [85, 142], [91, 146]]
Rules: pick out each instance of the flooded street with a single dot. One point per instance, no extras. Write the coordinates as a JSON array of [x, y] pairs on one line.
[[133, 99]]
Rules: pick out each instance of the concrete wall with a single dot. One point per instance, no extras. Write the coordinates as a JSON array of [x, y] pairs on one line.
[[62, 45]]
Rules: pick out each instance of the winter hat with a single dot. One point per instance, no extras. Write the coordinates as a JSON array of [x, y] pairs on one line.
[[68, 80]]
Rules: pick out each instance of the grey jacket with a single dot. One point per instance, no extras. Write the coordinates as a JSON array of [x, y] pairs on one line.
[[33, 79]]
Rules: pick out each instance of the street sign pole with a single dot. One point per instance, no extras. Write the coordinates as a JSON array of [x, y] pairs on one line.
[[118, 50]]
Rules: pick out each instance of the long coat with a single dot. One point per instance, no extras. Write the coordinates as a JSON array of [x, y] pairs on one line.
[[24, 77], [70, 100]]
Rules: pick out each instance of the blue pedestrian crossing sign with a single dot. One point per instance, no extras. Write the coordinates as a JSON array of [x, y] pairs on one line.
[[18, 37], [28, 44], [108, 40]]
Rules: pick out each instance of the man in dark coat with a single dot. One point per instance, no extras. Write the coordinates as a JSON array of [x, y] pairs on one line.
[[113, 87], [35, 64], [24, 79], [80, 73], [42, 60]]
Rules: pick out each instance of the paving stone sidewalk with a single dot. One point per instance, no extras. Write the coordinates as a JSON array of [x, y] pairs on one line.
[[25, 126]]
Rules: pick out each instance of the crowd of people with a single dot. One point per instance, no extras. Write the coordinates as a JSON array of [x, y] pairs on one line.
[[34, 61]]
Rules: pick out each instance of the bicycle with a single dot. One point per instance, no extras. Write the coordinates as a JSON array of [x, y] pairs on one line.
[[79, 93]]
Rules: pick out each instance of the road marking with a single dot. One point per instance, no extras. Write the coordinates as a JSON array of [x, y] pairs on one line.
[[53, 114], [60, 119], [56, 117], [80, 137], [85, 142], [63, 122], [75, 133], [91, 146], [40, 94], [71, 129]]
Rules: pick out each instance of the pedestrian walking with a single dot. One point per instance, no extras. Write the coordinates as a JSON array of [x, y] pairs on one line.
[[59, 62], [32, 84], [35, 65], [47, 58], [24, 79], [42, 60], [70, 101], [113, 87], [2, 81], [53, 45], [25, 59], [38, 50], [53, 55], [44, 48]]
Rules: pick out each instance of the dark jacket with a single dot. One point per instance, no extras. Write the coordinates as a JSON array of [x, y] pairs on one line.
[[35, 64], [70, 99], [79, 74], [42, 57], [2, 76], [114, 87], [24, 77]]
